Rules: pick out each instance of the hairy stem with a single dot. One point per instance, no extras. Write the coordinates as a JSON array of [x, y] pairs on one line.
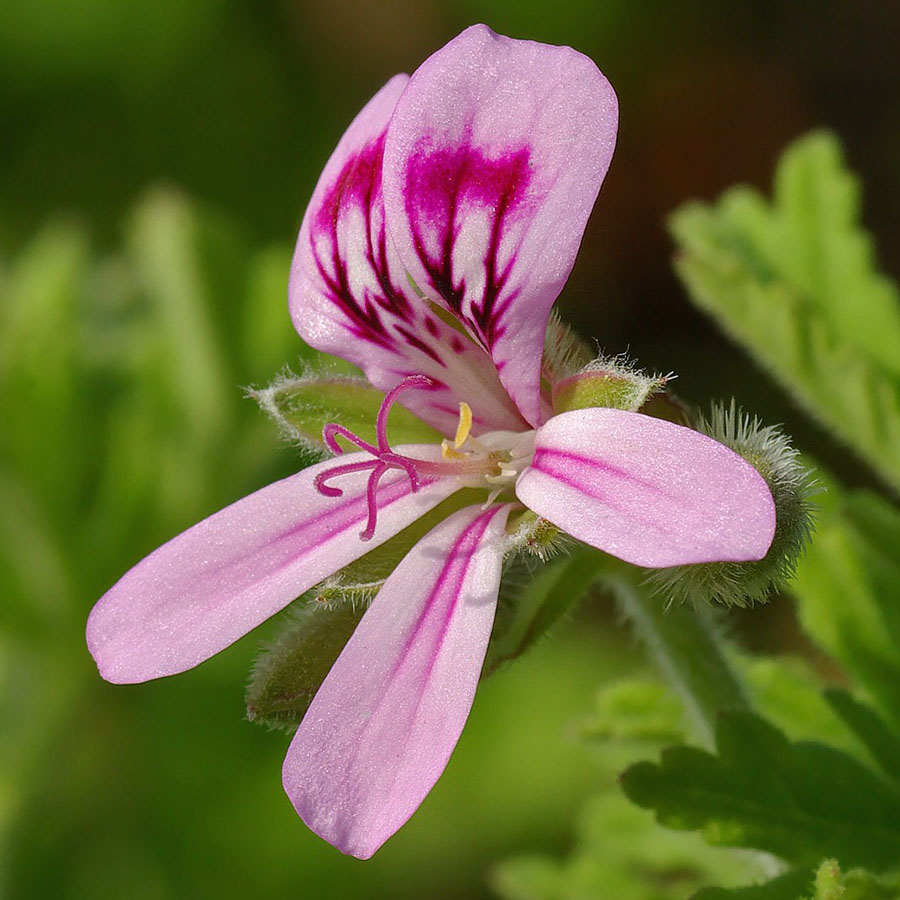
[[685, 646]]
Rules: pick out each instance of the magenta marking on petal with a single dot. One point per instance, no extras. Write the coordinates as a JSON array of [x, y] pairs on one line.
[[419, 344], [558, 464], [441, 187], [358, 186], [459, 556], [314, 532], [554, 462]]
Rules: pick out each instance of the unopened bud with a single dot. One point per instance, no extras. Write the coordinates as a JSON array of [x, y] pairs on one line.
[[769, 451], [607, 383]]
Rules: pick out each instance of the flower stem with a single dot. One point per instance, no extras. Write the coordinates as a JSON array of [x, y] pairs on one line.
[[685, 646]]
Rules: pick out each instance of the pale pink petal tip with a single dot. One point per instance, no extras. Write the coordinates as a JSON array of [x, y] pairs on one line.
[[386, 719], [647, 491], [215, 582]]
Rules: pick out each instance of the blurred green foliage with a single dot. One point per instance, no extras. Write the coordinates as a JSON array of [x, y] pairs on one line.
[[796, 283]]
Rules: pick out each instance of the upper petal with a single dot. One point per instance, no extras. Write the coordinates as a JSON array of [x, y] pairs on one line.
[[648, 491], [493, 160], [350, 296], [212, 584], [384, 723]]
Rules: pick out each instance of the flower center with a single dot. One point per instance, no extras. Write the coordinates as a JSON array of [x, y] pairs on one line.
[[493, 461]]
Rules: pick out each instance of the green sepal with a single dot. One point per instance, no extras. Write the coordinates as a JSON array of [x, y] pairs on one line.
[[303, 406], [288, 673], [565, 353]]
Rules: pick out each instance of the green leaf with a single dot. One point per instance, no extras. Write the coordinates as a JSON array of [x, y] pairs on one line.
[[46, 419], [303, 406], [164, 242], [796, 800], [788, 692], [879, 738], [621, 854], [788, 886], [795, 282], [848, 591]]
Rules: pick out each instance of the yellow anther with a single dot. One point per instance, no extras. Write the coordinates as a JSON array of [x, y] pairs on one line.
[[452, 451], [464, 426], [448, 453]]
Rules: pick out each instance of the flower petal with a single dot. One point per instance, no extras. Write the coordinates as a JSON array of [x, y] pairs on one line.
[[212, 584], [350, 296], [493, 160], [384, 723], [648, 491]]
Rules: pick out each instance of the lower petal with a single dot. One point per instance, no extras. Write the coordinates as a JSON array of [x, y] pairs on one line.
[[212, 584], [646, 490], [384, 723]]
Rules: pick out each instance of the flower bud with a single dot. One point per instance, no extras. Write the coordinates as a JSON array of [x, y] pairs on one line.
[[606, 382], [770, 452]]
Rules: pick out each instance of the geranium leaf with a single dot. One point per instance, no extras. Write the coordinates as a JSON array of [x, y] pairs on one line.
[[799, 801], [877, 736], [848, 591], [794, 281]]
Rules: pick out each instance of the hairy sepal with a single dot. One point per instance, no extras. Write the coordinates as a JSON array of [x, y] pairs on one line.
[[302, 406]]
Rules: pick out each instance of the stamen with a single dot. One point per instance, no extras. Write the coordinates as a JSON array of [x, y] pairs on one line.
[[476, 461], [463, 428], [384, 458], [322, 477], [413, 381], [329, 435], [371, 488]]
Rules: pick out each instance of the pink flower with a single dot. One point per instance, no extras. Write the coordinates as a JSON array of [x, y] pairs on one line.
[[440, 233]]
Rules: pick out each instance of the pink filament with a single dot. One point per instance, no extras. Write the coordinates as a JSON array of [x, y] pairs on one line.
[[383, 457]]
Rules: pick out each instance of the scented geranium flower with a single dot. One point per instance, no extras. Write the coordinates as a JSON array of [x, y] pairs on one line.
[[439, 236]]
